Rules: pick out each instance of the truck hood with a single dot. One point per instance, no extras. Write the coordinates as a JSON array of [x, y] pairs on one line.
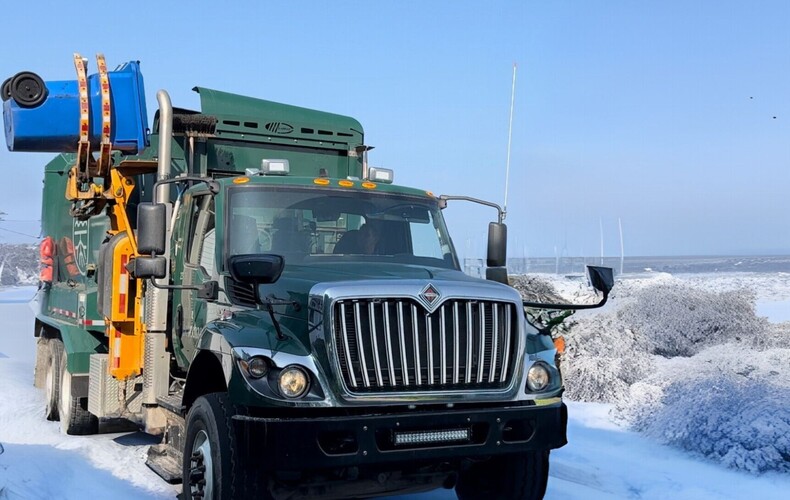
[[309, 275], [253, 327]]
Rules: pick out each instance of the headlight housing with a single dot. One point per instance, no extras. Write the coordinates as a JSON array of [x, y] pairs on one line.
[[256, 366], [293, 382], [538, 377]]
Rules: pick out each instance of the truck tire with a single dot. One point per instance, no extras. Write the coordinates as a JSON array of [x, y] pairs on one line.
[[518, 477], [54, 353], [213, 467], [75, 419]]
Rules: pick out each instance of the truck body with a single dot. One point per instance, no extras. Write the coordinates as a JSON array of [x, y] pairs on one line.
[[214, 288]]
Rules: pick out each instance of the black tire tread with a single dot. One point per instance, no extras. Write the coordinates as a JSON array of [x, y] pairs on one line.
[[242, 479], [55, 354], [81, 421]]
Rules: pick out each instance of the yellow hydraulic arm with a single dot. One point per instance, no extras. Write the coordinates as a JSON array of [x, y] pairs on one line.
[[94, 183]]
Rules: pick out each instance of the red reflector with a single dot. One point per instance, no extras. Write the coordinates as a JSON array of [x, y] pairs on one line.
[[123, 284]]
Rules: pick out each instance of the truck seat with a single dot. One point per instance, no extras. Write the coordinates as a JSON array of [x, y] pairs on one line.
[[244, 235]]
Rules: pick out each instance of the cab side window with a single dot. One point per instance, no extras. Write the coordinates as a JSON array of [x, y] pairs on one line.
[[200, 247]]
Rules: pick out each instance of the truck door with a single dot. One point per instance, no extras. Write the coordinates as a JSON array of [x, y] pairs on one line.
[[197, 266]]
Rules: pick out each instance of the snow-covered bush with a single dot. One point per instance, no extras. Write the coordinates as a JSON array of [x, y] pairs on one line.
[[19, 264], [676, 319], [535, 288], [690, 364], [727, 403], [603, 358]]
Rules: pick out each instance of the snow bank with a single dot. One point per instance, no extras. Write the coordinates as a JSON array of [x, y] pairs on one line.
[[726, 403], [690, 362]]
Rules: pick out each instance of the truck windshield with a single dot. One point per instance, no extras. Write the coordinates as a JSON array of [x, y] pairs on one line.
[[309, 225]]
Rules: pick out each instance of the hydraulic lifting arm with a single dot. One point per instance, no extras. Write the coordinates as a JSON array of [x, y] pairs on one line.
[[93, 184]]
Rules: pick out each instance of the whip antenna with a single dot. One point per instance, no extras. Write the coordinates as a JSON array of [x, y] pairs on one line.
[[509, 138]]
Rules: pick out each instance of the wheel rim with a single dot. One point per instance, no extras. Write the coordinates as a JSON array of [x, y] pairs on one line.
[[201, 477]]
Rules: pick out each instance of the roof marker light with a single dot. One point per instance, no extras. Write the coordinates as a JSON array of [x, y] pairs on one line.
[[382, 175], [275, 167]]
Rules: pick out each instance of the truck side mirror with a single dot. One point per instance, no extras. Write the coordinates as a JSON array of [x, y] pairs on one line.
[[151, 228], [601, 278], [257, 269], [148, 267], [498, 274], [497, 244]]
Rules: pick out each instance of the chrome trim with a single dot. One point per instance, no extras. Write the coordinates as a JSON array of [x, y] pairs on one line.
[[443, 341], [404, 365], [345, 343], [430, 352], [494, 341], [468, 378], [456, 361], [415, 333], [360, 344], [506, 358], [387, 328], [374, 336], [387, 290], [481, 360]]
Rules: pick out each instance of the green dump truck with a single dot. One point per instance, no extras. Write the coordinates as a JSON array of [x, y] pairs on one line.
[[290, 321]]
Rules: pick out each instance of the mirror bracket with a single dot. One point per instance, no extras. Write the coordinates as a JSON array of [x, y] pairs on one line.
[[601, 278]]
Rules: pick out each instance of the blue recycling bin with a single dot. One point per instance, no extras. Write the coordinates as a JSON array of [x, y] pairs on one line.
[[53, 125]]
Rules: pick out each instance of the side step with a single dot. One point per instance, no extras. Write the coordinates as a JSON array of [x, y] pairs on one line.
[[165, 459], [163, 464]]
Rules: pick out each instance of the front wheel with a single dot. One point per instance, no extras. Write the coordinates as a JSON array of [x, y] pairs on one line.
[[213, 466], [518, 477]]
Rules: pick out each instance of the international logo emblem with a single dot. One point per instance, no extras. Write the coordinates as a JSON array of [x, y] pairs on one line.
[[430, 294]]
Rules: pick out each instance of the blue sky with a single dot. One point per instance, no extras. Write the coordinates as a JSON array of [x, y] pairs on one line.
[[659, 113]]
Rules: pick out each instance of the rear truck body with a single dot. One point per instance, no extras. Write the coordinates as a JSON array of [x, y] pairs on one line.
[[207, 280]]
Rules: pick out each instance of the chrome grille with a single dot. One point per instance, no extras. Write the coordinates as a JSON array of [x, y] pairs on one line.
[[395, 345]]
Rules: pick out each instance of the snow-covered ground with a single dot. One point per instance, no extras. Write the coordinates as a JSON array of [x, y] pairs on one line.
[[602, 460]]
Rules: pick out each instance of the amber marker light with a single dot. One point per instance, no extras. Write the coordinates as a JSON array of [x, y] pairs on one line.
[[559, 344], [345, 184], [369, 185], [241, 180], [321, 182]]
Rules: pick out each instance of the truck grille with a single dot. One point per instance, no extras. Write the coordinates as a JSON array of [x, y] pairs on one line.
[[395, 345]]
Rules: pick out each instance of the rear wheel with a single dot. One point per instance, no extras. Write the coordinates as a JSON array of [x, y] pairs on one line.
[[518, 477], [54, 353], [75, 418], [213, 466]]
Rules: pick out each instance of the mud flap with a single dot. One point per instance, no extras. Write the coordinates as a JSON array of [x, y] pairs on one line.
[[165, 459]]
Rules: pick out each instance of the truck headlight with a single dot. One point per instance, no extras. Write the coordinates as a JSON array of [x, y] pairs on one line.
[[293, 382], [256, 366], [538, 377]]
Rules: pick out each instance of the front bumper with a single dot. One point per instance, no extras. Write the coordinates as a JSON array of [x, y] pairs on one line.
[[294, 444]]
